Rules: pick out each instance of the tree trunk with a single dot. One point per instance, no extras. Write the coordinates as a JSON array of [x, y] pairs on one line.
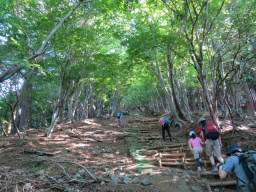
[[185, 97], [92, 107], [157, 71], [177, 106], [23, 114], [250, 104], [11, 119], [58, 108]]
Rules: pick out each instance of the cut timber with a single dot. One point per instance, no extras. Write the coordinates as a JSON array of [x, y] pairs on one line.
[[174, 155], [222, 183], [171, 160], [171, 149], [171, 163]]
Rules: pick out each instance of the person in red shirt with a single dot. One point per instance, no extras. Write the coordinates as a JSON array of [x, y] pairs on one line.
[[209, 133]]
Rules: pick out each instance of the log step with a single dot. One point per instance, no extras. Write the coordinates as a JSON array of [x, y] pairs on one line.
[[174, 155], [222, 183], [209, 173]]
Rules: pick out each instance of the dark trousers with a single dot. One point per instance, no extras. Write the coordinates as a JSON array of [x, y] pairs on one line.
[[167, 128]]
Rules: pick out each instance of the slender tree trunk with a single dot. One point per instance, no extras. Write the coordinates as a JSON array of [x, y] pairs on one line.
[[157, 71], [161, 99], [58, 108], [177, 106], [11, 119], [91, 102], [185, 97]]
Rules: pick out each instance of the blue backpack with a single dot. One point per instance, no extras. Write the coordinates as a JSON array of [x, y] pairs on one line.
[[119, 115], [248, 162], [166, 120]]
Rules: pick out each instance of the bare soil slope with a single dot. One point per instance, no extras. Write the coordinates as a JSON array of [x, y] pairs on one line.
[[96, 155]]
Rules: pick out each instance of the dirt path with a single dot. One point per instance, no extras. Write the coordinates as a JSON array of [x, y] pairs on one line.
[[122, 159]]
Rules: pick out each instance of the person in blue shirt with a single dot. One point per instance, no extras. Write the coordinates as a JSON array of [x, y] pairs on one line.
[[165, 123], [119, 118], [232, 165]]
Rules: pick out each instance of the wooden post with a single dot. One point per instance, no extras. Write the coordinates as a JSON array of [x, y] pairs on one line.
[[160, 159]]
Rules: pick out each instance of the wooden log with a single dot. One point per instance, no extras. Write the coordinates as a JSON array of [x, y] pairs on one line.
[[174, 155], [171, 160], [171, 149], [209, 173], [170, 152], [171, 163], [222, 183], [169, 146], [39, 153]]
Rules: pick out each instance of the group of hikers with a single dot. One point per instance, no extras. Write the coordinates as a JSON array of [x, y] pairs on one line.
[[243, 164]]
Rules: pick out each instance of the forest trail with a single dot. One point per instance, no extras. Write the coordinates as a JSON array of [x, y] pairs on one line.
[[130, 158]]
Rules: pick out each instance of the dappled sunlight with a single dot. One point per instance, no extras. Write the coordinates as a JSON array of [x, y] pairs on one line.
[[176, 179], [91, 122], [242, 127], [104, 150]]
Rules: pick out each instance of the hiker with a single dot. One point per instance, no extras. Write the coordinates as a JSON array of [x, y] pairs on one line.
[[210, 135], [165, 123], [119, 118], [194, 144], [234, 163]]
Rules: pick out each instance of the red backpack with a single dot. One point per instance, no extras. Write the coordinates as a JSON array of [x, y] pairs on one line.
[[210, 131]]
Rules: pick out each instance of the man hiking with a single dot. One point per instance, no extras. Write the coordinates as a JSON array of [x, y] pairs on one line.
[[209, 133], [119, 118], [234, 163], [165, 123]]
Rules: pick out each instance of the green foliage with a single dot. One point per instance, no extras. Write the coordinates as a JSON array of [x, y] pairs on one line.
[[111, 44]]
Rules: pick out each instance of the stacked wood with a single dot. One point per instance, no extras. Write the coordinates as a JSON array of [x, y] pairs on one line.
[[175, 159]]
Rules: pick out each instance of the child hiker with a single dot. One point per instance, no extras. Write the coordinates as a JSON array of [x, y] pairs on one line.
[[194, 144], [165, 123]]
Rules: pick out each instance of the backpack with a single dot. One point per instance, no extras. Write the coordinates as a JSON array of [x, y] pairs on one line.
[[167, 121], [248, 162], [119, 115], [210, 131]]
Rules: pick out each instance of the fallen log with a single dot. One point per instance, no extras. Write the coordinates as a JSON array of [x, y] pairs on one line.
[[39, 153]]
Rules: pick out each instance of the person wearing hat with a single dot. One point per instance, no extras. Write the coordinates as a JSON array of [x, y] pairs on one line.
[[165, 123], [232, 164], [210, 135], [194, 144]]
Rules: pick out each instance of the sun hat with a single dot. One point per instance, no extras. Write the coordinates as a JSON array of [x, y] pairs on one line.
[[191, 133], [201, 119]]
